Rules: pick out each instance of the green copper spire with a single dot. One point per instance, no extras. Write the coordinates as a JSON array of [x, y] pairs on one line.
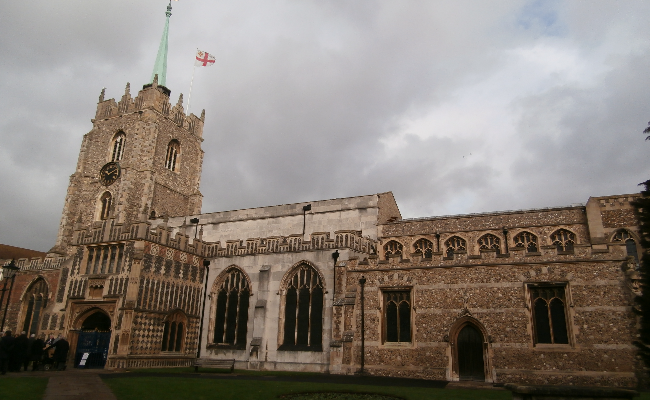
[[160, 68]]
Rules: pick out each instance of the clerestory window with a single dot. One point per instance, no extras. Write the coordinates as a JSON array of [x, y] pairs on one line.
[[455, 245], [623, 236], [393, 248], [526, 240], [489, 242], [563, 240], [424, 247]]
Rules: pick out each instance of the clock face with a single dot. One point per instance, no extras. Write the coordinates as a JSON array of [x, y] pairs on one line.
[[109, 173]]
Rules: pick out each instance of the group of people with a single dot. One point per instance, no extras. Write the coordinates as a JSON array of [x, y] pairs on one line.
[[18, 351]]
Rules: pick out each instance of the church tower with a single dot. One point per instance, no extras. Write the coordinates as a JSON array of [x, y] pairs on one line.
[[142, 159]]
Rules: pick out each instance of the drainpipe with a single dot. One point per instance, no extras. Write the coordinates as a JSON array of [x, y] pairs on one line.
[[362, 282], [335, 256]]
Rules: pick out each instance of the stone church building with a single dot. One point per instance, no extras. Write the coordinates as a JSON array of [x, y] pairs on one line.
[[139, 277]]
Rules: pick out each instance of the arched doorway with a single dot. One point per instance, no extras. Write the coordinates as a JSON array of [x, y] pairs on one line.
[[471, 364], [93, 342]]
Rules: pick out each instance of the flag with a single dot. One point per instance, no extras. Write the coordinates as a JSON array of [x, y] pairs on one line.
[[203, 59]]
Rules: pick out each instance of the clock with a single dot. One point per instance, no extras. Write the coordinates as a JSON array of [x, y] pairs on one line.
[[109, 173]]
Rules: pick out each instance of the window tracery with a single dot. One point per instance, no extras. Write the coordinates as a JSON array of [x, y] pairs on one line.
[[231, 311], [174, 332], [117, 146], [303, 310], [173, 151], [623, 236], [393, 248], [563, 240], [489, 242], [397, 316], [549, 314], [526, 240], [35, 300], [455, 244], [424, 247]]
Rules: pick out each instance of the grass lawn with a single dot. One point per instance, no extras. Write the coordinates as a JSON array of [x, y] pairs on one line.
[[152, 388], [22, 388]]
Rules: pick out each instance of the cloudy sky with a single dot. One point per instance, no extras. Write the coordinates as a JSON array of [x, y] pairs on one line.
[[454, 106]]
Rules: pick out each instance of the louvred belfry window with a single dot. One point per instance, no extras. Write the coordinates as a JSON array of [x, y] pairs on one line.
[[424, 247], [549, 314], [173, 151], [526, 240], [231, 316], [303, 311], [117, 146]]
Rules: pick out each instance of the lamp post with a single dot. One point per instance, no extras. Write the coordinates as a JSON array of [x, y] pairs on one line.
[[195, 221], [505, 238], [362, 282], [8, 271]]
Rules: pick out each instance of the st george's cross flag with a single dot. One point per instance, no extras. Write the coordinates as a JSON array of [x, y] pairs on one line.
[[203, 59]]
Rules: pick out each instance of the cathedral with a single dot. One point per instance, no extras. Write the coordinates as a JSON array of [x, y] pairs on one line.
[[139, 277]]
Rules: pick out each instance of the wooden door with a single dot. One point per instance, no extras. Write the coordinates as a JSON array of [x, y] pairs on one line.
[[471, 365]]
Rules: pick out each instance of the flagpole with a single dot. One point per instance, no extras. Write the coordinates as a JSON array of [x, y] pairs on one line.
[[191, 83]]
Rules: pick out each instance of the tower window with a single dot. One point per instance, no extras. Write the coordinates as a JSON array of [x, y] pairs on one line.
[[526, 240], [424, 247], [173, 151], [117, 149], [563, 240], [105, 205], [303, 311]]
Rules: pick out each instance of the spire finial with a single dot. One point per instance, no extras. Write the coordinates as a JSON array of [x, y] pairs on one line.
[[127, 89], [101, 95], [160, 67], [180, 100]]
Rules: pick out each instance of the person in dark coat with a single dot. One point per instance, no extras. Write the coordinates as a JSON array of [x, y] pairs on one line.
[[21, 345], [36, 353], [61, 348], [6, 348]]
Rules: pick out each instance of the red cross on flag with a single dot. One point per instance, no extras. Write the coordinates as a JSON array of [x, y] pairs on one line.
[[203, 59]]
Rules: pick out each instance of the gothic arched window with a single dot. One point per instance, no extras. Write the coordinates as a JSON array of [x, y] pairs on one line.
[[35, 300], [392, 248], [489, 242], [303, 310], [105, 205], [563, 240], [397, 312], [424, 247], [174, 332], [173, 151], [526, 240], [117, 146], [231, 310], [455, 245], [549, 314], [623, 236]]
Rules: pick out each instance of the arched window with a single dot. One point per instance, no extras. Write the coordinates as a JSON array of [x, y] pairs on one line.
[[549, 315], [424, 247], [563, 240], [35, 300], [174, 332], [231, 310], [623, 236], [173, 151], [526, 240], [489, 242], [117, 146], [455, 245], [397, 316], [392, 248], [104, 206], [303, 311]]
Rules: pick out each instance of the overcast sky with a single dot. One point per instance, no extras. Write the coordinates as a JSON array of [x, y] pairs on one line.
[[454, 106]]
